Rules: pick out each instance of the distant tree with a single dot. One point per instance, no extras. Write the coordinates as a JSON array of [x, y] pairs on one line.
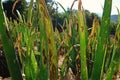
[[48, 1], [89, 18]]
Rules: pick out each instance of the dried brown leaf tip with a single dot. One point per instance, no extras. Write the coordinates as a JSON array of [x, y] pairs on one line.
[[79, 5], [14, 5]]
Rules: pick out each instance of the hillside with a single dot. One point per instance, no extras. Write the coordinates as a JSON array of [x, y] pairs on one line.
[[114, 18]]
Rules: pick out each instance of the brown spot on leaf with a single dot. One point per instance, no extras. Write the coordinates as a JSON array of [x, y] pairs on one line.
[[53, 72], [82, 28], [49, 40], [44, 56]]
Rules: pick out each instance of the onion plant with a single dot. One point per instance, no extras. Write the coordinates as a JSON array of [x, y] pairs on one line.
[[38, 46]]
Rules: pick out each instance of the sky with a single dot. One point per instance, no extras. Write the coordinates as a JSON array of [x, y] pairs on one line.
[[91, 5]]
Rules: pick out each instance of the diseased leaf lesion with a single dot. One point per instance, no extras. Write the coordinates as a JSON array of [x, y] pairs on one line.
[[44, 56]]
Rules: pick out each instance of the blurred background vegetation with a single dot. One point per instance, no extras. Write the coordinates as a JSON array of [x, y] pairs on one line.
[[56, 16]]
